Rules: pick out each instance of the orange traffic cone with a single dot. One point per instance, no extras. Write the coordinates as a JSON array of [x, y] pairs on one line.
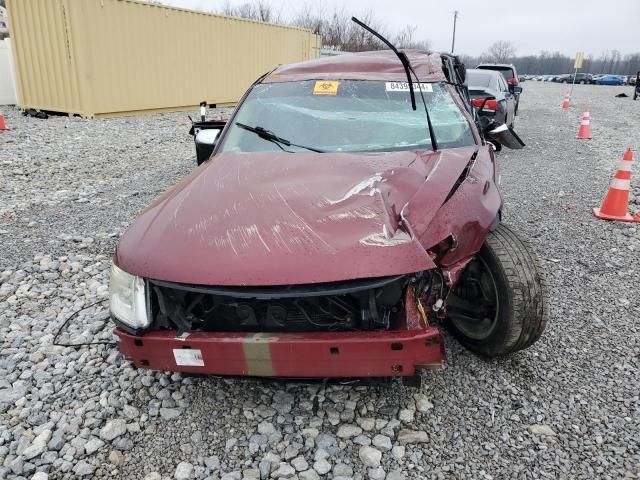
[[584, 133], [3, 125], [565, 103], [616, 202]]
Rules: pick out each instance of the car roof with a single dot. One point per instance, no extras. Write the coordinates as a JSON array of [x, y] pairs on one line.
[[501, 65], [375, 65], [483, 71]]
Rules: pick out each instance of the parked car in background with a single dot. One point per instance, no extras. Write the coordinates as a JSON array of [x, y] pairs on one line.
[[510, 75], [490, 94], [584, 78], [564, 78], [610, 80]]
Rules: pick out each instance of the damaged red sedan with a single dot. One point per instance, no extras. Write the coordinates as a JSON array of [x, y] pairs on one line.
[[331, 230]]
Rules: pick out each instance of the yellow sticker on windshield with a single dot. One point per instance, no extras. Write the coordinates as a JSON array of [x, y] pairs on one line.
[[326, 87]]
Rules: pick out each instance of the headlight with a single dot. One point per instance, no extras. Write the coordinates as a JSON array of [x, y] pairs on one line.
[[127, 299]]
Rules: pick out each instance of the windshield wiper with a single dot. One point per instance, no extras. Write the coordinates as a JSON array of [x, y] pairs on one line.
[[272, 137], [408, 69]]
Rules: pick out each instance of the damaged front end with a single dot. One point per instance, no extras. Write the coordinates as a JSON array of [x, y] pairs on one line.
[[361, 328]]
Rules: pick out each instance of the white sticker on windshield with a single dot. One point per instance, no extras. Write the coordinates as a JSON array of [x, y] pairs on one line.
[[404, 87]]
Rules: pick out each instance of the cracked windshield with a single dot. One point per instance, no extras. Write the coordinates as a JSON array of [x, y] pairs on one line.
[[347, 116]]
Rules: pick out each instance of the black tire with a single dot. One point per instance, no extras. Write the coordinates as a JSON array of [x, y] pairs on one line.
[[520, 297], [582, 82]]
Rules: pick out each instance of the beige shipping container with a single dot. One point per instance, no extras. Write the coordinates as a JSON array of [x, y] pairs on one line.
[[121, 57]]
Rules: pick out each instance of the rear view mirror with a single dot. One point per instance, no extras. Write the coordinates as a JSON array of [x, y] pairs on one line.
[[517, 89], [506, 137]]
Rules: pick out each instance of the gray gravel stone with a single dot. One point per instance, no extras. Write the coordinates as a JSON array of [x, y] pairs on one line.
[[398, 452], [82, 469], [300, 464], [377, 473], [412, 436], [169, 413], [212, 462], [113, 429], [69, 188], [184, 471], [395, 475], [348, 431], [322, 466], [284, 470], [93, 445], [309, 475], [544, 430], [231, 476], [382, 442], [370, 456], [342, 470]]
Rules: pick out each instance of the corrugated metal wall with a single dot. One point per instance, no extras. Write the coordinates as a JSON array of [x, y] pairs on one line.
[[115, 57]]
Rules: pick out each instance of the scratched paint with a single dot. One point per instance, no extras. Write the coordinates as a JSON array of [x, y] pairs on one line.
[[302, 218], [353, 214], [386, 239], [360, 187]]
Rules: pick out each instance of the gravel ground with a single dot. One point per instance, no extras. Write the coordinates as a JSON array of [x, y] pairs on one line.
[[568, 407]]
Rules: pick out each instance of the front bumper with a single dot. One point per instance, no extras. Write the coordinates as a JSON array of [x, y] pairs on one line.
[[292, 355]]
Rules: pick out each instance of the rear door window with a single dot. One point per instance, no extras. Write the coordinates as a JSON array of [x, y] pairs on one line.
[[502, 84]]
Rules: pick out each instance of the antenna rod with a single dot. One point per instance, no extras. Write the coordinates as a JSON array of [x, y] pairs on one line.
[[401, 55], [453, 40]]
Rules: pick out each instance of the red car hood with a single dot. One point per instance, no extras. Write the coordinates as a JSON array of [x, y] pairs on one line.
[[279, 218]]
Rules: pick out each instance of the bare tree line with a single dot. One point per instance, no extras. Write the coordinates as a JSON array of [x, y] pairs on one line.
[[610, 61], [339, 32], [335, 26]]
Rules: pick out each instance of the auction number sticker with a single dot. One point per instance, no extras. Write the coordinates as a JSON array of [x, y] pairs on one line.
[[326, 87], [404, 87], [188, 357]]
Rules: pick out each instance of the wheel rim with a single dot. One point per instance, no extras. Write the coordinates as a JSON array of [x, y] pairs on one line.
[[473, 306]]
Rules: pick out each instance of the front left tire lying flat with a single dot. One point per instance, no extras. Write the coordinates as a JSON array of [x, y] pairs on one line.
[[500, 304]]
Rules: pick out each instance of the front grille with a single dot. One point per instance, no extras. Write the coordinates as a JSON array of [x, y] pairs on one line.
[[344, 306]]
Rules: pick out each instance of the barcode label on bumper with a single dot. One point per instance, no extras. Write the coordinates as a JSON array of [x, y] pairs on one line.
[[188, 357]]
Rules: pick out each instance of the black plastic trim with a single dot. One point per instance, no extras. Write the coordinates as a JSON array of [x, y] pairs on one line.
[[285, 291]]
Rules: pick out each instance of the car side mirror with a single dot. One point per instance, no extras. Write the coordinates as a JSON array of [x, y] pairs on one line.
[[206, 135], [505, 136], [517, 89], [205, 143]]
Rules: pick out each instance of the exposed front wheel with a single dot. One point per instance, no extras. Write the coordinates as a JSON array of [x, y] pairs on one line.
[[499, 305]]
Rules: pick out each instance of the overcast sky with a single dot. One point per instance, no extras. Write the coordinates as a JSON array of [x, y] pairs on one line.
[[568, 26]]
